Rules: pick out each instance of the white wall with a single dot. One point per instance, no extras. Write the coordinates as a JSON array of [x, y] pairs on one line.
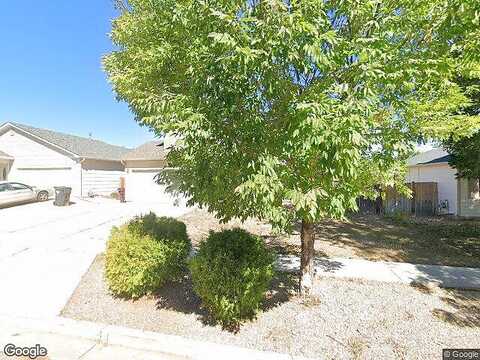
[[101, 177], [443, 175], [38, 164]]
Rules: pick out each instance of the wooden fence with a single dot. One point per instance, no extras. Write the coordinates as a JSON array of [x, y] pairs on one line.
[[424, 200]]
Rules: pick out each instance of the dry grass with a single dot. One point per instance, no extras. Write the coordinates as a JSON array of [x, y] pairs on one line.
[[422, 241], [465, 308]]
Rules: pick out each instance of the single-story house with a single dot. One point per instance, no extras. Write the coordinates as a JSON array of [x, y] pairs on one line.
[[142, 165], [47, 158], [458, 196]]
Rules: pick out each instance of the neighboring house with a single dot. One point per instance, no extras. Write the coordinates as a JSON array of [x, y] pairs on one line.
[[142, 165], [459, 194], [48, 158]]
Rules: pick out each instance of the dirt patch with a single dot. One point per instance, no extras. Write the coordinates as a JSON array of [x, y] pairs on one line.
[[345, 319]]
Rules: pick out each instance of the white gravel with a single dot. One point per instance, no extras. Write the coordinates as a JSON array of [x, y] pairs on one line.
[[345, 320]]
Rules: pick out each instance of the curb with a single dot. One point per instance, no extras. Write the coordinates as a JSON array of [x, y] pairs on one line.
[[140, 340]]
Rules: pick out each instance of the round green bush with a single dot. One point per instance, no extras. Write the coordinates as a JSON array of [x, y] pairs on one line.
[[231, 273], [144, 253]]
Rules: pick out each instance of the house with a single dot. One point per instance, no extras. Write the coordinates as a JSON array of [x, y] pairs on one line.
[[142, 165], [457, 196], [48, 158]]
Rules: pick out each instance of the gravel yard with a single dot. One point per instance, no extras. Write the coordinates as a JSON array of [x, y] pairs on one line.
[[345, 320]]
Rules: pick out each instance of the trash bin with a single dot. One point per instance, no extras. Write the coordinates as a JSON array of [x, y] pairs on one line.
[[62, 195]]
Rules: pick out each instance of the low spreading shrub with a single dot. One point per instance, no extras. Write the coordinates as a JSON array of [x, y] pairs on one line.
[[231, 273], [144, 253]]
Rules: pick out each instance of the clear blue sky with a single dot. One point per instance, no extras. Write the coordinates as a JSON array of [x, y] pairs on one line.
[[51, 74]]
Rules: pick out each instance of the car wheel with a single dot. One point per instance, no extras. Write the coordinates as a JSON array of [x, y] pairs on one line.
[[42, 196]]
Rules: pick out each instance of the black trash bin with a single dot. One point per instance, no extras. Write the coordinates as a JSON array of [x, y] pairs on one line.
[[62, 195]]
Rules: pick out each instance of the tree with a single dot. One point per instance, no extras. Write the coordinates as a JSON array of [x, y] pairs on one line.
[[465, 152], [465, 158], [289, 110]]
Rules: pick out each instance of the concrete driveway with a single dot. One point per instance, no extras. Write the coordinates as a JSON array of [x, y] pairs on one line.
[[45, 250]]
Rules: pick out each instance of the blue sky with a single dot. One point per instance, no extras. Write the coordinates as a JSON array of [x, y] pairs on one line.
[[51, 74]]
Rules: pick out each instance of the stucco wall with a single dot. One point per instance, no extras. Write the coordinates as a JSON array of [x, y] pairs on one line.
[[443, 175]]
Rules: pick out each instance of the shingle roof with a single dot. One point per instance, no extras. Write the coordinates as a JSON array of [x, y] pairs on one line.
[[152, 150], [434, 156], [443, 159], [5, 155], [83, 147]]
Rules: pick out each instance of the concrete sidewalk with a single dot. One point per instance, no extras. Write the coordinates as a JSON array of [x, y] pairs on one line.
[[72, 339], [444, 276]]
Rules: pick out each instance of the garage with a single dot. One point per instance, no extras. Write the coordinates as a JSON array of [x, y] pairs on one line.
[[46, 158], [142, 165], [45, 177], [140, 185]]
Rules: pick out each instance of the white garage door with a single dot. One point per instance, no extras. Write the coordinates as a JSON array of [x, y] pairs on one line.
[[44, 177], [141, 186]]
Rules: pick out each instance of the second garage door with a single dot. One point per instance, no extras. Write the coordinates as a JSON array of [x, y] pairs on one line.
[[141, 186]]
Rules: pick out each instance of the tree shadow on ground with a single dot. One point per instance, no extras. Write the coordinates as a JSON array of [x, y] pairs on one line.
[[180, 296], [466, 308], [421, 241]]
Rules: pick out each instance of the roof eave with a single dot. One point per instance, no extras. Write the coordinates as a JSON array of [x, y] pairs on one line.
[[429, 164], [143, 159], [40, 138]]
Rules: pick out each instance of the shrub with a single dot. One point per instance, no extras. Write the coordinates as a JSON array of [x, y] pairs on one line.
[[144, 253], [231, 273]]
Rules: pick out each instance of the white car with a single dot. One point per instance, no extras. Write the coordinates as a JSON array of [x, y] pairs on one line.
[[14, 192]]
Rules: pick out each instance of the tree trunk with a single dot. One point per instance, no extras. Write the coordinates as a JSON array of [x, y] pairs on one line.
[[306, 263]]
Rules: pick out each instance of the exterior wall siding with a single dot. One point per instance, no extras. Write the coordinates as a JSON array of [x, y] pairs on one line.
[[443, 175], [101, 177]]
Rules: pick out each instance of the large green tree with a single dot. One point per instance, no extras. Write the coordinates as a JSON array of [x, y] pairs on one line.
[[288, 110], [465, 152]]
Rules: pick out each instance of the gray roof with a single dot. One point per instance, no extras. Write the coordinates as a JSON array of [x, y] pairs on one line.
[[5, 155], [80, 146], [434, 156], [152, 150]]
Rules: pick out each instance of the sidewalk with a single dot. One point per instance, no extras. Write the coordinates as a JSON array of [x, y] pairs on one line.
[[405, 273], [67, 339]]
